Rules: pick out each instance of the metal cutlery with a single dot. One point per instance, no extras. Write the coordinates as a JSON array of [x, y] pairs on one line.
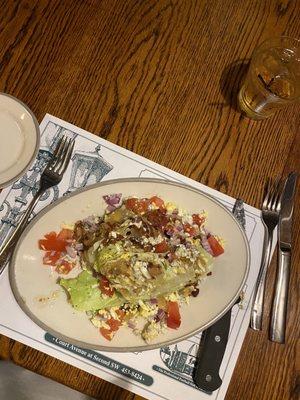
[[214, 339], [270, 218], [279, 309], [51, 176]]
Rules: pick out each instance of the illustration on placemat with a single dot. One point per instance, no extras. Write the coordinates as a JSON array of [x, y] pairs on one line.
[[179, 360], [22, 190], [87, 167]]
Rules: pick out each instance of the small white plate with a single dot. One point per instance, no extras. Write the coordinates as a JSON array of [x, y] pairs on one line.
[[32, 281], [19, 139]]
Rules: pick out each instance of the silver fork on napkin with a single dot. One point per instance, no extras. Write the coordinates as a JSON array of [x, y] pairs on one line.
[[51, 176], [270, 217]]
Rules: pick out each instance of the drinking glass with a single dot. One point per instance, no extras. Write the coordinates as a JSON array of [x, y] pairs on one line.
[[273, 78]]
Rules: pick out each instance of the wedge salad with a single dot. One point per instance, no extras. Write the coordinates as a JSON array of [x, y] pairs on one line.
[[135, 265]]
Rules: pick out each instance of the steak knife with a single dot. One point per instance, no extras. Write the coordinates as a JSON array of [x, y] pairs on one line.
[[214, 339], [279, 308]]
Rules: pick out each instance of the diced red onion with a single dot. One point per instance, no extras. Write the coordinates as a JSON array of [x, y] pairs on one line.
[[169, 232], [206, 245], [131, 325], [112, 199], [71, 251], [93, 228], [161, 314], [171, 257], [79, 246], [153, 301], [111, 208], [90, 223], [207, 232], [89, 220]]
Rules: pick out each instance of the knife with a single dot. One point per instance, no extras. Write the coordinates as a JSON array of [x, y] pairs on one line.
[[214, 339], [279, 308]]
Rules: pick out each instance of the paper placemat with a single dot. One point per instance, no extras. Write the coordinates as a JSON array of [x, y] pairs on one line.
[[164, 373]]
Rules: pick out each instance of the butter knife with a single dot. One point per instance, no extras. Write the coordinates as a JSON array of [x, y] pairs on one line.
[[279, 308], [214, 339]]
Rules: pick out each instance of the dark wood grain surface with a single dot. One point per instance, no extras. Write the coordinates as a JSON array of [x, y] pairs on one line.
[[161, 78]]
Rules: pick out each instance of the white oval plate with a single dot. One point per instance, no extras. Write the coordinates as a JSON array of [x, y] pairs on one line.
[[31, 280], [19, 139]]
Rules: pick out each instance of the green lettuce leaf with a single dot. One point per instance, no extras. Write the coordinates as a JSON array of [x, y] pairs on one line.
[[85, 294]]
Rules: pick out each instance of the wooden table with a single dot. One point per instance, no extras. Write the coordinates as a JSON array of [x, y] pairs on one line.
[[160, 78]]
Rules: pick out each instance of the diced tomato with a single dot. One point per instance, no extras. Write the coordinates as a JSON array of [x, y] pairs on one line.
[[158, 202], [105, 286], [161, 247], [54, 242], [50, 235], [106, 333], [173, 318], [114, 324], [130, 203], [190, 229], [143, 205], [64, 267], [215, 246], [46, 244], [198, 219], [51, 257], [52, 245], [65, 234], [137, 205]]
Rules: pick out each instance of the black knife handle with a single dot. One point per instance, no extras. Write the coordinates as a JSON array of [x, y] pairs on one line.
[[212, 349]]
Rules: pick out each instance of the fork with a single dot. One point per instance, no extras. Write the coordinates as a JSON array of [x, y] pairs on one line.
[[270, 218], [51, 176]]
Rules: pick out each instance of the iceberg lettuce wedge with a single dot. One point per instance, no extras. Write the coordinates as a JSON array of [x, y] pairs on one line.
[[85, 294]]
